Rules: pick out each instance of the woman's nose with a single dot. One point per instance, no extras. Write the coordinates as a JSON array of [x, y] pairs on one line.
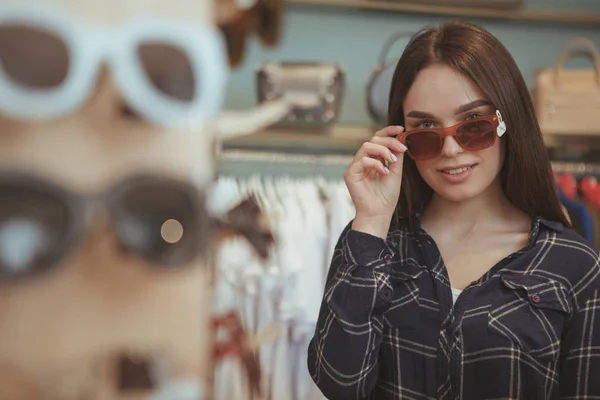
[[451, 148]]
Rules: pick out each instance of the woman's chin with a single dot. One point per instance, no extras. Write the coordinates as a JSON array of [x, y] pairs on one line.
[[457, 194]]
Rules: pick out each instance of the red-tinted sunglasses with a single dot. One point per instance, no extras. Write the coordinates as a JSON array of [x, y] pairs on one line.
[[471, 135]]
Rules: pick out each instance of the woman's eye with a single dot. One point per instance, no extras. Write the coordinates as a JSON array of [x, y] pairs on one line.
[[425, 125], [473, 116]]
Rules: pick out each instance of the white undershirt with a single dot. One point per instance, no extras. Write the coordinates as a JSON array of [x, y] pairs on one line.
[[455, 294]]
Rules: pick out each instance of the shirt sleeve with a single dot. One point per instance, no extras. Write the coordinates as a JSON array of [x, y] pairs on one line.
[[342, 355], [580, 353]]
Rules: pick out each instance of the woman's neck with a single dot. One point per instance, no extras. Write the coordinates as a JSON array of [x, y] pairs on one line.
[[490, 210]]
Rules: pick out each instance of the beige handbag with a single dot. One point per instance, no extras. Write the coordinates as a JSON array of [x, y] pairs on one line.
[[568, 100], [314, 90]]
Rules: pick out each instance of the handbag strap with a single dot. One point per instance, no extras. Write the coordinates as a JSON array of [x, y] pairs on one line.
[[390, 42], [578, 47]]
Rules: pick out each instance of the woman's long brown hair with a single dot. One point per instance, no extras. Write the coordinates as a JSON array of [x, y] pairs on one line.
[[526, 176]]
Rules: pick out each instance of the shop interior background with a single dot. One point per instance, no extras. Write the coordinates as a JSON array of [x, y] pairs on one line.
[[298, 170], [354, 38]]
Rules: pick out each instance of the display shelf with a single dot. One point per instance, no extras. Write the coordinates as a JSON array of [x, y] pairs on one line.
[[528, 14], [337, 139]]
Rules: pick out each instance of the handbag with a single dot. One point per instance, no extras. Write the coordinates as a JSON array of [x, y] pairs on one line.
[[380, 82], [314, 90], [567, 101]]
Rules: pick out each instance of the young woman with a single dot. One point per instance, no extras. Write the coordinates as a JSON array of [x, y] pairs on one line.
[[459, 277]]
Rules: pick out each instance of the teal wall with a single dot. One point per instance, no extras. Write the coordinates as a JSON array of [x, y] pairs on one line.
[[354, 39]]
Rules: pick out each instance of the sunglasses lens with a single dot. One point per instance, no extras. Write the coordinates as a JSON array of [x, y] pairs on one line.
[[169, 69], [424, 145], [33, 58], [34, 227], [476, 135], [160, 220]]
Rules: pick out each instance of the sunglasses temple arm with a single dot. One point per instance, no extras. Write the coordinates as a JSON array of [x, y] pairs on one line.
[[232, 124]]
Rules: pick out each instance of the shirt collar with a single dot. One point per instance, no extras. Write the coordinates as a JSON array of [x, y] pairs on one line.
[[551, 225]]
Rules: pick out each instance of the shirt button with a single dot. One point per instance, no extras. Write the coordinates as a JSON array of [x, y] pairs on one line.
[[388, 257], [535, 298], [386, 294]]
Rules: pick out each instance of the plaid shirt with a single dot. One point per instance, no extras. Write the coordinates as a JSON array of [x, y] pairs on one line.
[[528, 329]]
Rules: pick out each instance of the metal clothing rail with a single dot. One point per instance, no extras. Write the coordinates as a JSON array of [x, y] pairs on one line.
[[577, 168], [246, 163]]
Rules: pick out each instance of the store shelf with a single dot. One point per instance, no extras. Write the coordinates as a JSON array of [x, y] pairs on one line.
[[324, 152], [580, 17], [337, 139]]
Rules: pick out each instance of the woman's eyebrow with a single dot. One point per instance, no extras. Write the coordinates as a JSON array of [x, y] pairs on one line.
[[459, 110], [469, 106]]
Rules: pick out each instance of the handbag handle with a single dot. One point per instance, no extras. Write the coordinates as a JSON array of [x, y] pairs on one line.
[[389, 43], [589, 51]]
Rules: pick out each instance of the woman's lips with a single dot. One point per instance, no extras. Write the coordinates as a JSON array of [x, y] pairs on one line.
[[456, 169], [459, 173]]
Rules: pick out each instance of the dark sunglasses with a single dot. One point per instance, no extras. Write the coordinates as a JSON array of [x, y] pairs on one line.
[[471, 135], [264, 18], [160, 219]]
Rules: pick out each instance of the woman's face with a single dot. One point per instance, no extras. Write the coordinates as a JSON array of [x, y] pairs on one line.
[[441, 97]]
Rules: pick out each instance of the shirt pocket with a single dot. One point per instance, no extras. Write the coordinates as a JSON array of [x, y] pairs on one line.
[[531, 311], [404, 310]]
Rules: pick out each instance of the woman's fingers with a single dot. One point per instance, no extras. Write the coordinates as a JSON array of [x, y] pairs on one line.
[[390, 142], [390, 131], [367, 163], [375, 150], [381, 151], [372, 156]]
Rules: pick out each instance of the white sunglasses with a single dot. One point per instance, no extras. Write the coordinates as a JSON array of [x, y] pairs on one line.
[[168, 72]]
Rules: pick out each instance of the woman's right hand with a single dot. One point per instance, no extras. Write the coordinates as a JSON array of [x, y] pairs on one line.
[[375, 188]]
